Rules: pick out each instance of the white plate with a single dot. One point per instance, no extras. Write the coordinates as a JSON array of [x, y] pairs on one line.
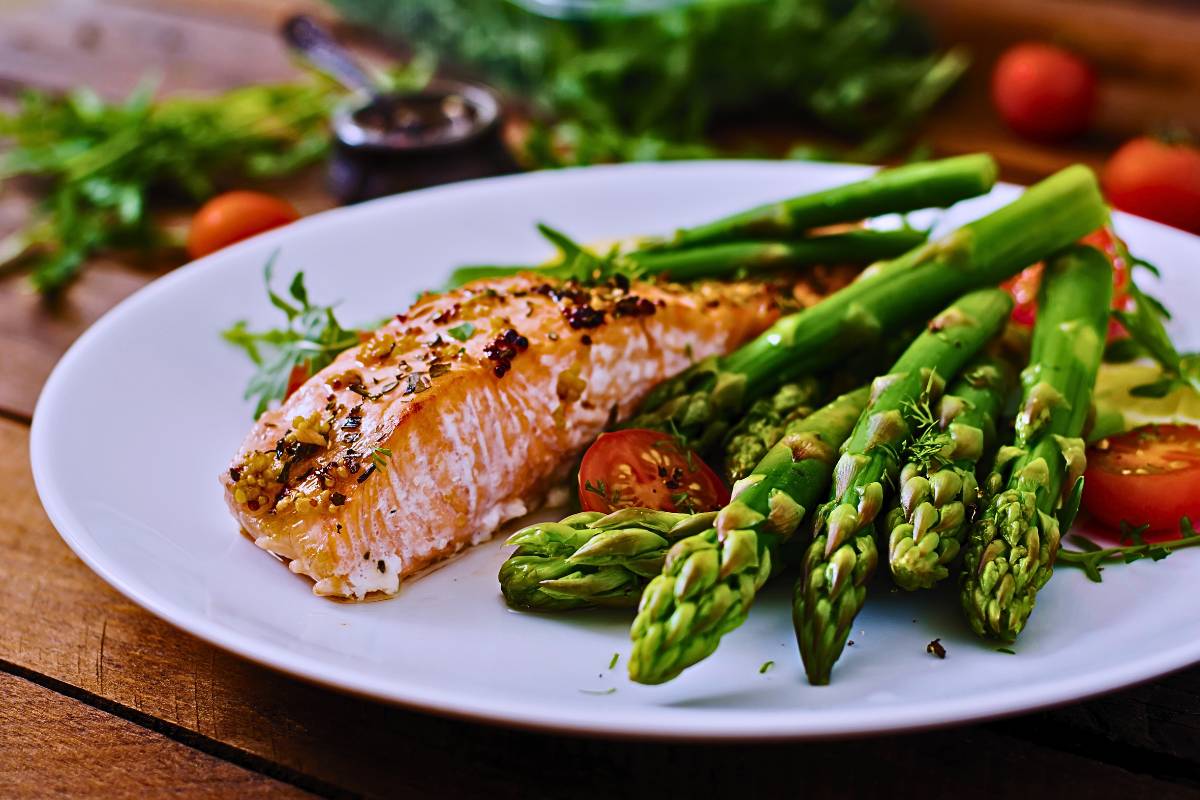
[[144, 411]]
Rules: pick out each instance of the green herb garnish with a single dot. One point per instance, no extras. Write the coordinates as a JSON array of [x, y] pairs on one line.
[[1090, 556], [310, 341], [102, 161], [462, 332], [379, 457]]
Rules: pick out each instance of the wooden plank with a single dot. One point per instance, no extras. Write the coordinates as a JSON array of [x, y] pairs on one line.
[[63, 622], [53, 746]]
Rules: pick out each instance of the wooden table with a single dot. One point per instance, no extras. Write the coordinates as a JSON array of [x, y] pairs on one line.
[[99, 697]]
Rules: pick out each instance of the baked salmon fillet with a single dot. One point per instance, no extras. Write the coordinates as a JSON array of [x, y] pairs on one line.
[[461, 414]]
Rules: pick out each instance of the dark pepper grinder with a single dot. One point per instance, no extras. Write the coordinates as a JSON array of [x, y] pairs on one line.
[[386, 143]]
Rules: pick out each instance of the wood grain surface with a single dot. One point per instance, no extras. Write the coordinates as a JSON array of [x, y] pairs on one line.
[[54, 746], [100, 698]]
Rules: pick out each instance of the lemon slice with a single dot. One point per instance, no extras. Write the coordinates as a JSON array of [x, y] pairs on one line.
[[1115, 381]]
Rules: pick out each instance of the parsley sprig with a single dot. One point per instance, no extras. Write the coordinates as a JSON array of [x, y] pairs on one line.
[[312, 338]]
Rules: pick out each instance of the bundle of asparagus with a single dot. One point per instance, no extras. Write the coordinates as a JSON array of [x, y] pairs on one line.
[[699, 404], [841, 559], [924, 433]]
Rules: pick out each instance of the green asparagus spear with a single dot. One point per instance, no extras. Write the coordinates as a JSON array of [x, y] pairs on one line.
[[591, 559], [724, 259], [1050, 215], [709, 579], [712, 261], [841, 559], [764, 424], [1011, 550], [938, 490], [908, 188]]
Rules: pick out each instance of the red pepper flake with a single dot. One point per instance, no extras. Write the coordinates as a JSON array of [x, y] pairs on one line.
[[587, 340], [935, 648], [337, 499], [448, 314]]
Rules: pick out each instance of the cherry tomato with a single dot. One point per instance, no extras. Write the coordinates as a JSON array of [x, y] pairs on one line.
[[1024, 285], [296, 379], [1150, 475], [1024, 289], [1156, 180], [1043, 91], [646, 469], [233, 216]]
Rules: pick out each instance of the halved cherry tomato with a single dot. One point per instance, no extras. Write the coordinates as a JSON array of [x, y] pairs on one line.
[[1024, 286], [233, 216], [647, 469], [1148, 476]]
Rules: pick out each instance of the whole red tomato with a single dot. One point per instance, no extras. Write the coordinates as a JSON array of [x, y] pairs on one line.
[[1043, 91], [1157, 180], [233, 216]]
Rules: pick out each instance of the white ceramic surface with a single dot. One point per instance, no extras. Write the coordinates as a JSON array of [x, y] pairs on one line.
[[144, 411]]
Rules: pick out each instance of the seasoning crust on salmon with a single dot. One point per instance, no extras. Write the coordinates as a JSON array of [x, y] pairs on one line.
[[461, 414]]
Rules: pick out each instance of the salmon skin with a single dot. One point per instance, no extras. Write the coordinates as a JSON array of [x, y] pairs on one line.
[[461, 414]]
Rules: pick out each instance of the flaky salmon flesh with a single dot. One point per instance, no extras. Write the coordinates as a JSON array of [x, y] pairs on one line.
[[461, 414]]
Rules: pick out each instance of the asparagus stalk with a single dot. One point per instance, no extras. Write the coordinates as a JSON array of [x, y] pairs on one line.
[[938, 491], [1011, 550], [713, 261], [709, 579], [722, 259], [908, 188], [842, 557], [591, 559], [908, 290], [763, 425]]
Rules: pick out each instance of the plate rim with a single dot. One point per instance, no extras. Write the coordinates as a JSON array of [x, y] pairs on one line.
[[626, 722]]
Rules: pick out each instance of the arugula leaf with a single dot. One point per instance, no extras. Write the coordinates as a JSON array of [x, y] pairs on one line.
[[1091, 555], [310, 341], [1146, 326]]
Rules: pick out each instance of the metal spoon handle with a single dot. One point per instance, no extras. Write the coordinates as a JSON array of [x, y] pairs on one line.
[[311, 40]]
